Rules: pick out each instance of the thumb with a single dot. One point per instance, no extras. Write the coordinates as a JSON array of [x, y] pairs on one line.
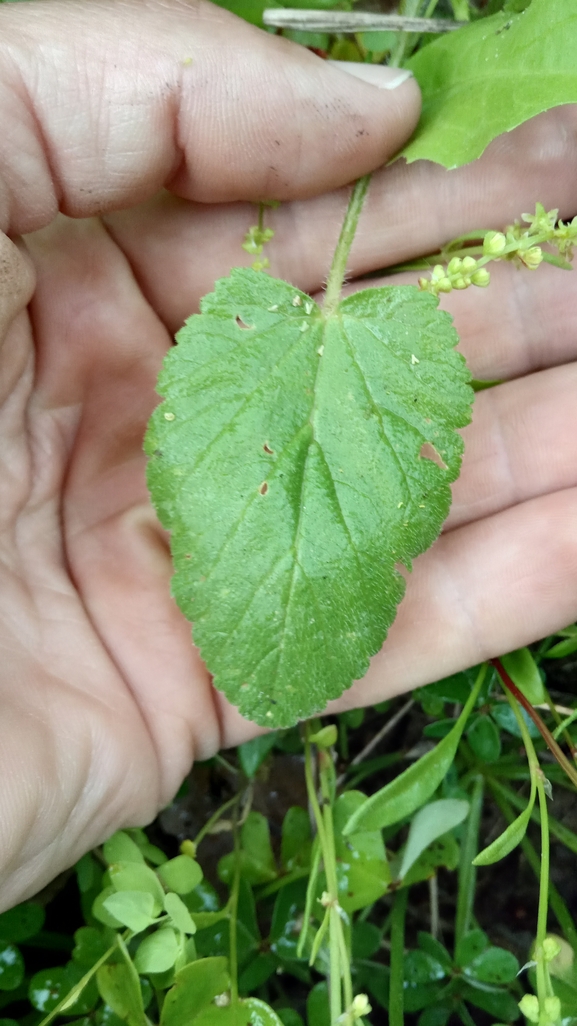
[[104, 102]]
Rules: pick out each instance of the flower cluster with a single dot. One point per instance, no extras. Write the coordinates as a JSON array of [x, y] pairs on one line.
[[516, 243]]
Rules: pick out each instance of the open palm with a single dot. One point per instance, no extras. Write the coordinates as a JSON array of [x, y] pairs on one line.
[[105, 701]]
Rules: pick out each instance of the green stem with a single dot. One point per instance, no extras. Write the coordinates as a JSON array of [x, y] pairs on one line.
[[233, 916], [214, 819], [396, 1001], [558, 906], [467, 871], [339, 264], [543, 982], [544, 731]]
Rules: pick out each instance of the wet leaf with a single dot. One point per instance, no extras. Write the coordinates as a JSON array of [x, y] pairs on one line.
[[11, 966]]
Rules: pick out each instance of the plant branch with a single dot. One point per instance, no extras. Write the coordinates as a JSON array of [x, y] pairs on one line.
[[339, 264], [541, 727]]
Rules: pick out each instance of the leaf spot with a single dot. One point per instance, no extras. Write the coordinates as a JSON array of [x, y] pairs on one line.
[[297, 301], [414, 359], [263, 488], [308, 308], [169, 416], [240, 324], [304, 326], [268, 449], [428, 452], [273, 309], [320, 350]]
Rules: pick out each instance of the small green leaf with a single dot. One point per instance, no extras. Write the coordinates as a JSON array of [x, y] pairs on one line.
[[510, 837], [194, 987], [442, 852], [257, 862], [363, 872], [48, 987], [257, 972], [252, 754], [470, 947], [90, 945], [22, 922], [287, 919], [181, 874], [134, 909], [484, 739], [157, 953], [11, 966], [524, 672], [282, 426], [261, 1014], [430, 822], [318, 1013], [366, 939], [419, 967], [134, 876], [505, 719], [101, 913], [490, 77], [326, 737], [119, 988], [296, 838], [495, 965], [288, 1017], [435, 949], [121, 848], [417, 784], [178, 912], [498, 1003], [435, 1015]]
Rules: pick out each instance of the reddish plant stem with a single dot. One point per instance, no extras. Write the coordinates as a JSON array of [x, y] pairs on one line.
[[541, 727]]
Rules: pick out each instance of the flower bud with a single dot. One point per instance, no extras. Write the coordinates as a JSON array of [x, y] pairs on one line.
[[552, 1009], [481, 278], [551, 948], [454, 266], [326, 737], [460, 282], [529, 1006], [188, 848], [532, 257], [494, 243], [360, 1006], [469, 264]]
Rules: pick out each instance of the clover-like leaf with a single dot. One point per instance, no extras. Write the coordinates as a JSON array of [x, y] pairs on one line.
[[299, 460]]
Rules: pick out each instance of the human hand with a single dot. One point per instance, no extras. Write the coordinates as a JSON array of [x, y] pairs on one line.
[[104, 700]]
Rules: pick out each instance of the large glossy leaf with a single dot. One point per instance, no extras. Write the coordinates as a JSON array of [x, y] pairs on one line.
[[490, 77], [298, 461]]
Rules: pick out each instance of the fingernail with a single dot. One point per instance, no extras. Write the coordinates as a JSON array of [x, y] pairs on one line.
[[375, 74]]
